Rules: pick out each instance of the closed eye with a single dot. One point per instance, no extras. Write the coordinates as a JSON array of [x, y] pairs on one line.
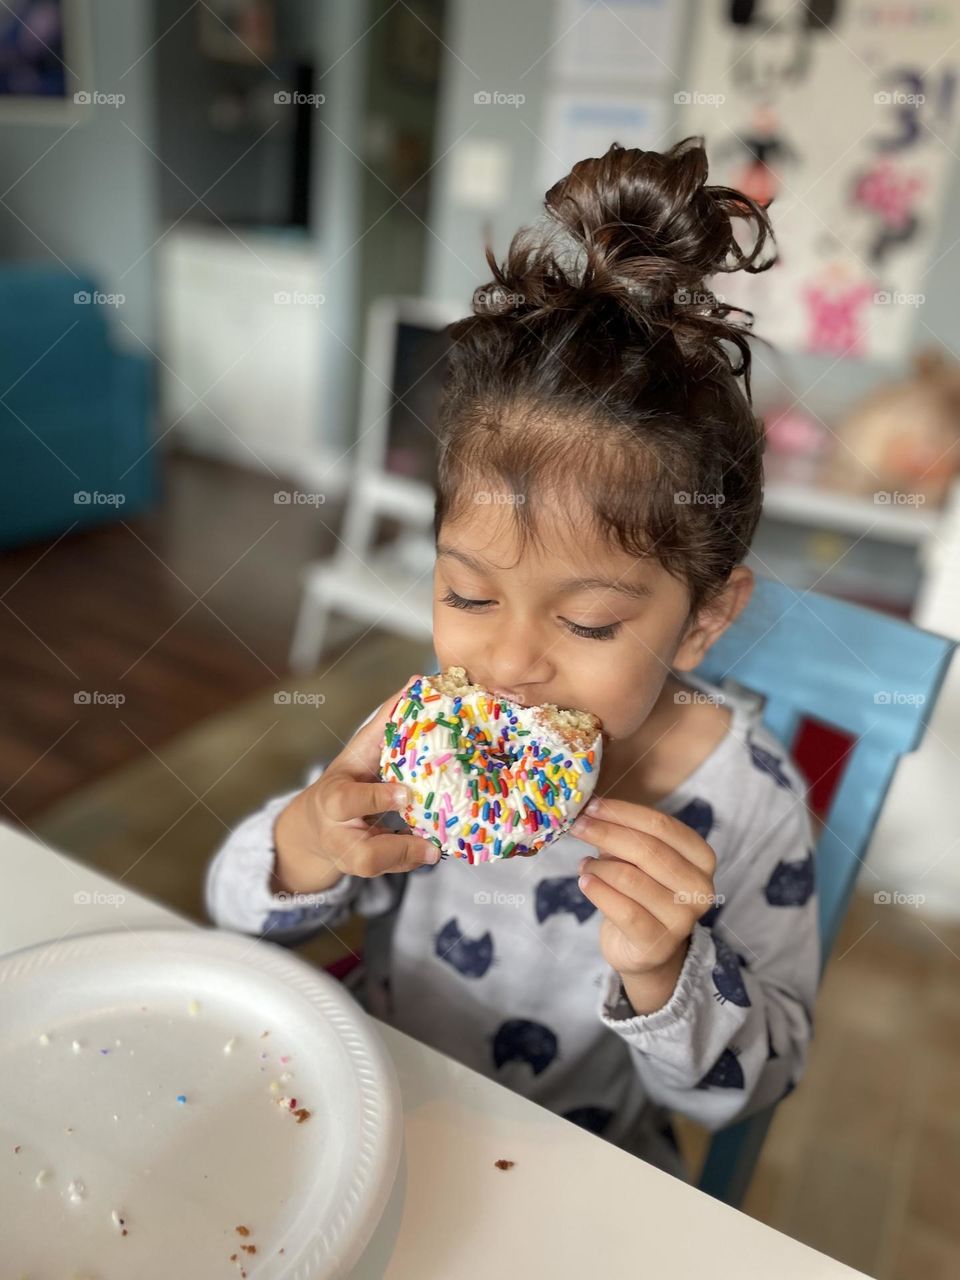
[[460, 602], [587, 633]]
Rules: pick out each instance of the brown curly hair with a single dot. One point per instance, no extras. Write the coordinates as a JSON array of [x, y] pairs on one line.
[[595, 356]]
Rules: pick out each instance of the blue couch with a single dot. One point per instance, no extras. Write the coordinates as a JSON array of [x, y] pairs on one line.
[[76, 413]]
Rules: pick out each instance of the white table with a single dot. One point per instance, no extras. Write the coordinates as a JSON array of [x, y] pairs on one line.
[[572, 1206]]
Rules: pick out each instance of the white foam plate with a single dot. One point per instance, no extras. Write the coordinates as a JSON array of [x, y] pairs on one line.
[[100, 1035]]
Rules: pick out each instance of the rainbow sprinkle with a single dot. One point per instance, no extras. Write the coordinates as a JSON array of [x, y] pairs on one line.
[[490, 785]]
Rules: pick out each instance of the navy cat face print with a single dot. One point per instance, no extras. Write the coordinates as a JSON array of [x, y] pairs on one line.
[[559, 894], [727, 976], [519, 1040], [698, 816], [471, 957], [791, 884], [595, 1119], [768, 763], [726, 1073]]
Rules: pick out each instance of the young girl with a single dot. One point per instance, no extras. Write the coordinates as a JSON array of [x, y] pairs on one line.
[[599, 481]]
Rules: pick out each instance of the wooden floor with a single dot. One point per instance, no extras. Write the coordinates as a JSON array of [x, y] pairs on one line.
[[181, 613]]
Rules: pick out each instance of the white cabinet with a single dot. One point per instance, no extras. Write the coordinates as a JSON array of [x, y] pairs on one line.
[[240, 339]]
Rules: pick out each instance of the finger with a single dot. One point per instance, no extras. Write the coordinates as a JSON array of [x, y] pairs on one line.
[[383, 853], [652, 822], [361, 756], [643, 891], [639, 926], [660, 860], [345, 798]]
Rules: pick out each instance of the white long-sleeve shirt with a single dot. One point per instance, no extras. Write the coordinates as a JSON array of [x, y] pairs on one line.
[[499, 965]]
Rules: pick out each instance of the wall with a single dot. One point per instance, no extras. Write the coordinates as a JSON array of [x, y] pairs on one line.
[[87, 194], [500, 45]]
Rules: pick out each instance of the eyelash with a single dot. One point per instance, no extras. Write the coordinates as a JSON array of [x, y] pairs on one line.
[[588, 633]]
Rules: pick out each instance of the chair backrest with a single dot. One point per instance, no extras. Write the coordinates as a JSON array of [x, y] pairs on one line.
[[404, 354], [874, 677]]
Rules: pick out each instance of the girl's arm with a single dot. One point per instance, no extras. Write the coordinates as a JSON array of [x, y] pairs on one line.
[[239, 889], [247, 884], [733, 1036]]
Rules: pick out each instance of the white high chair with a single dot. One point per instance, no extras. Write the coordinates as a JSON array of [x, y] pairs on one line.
[[390, 585]]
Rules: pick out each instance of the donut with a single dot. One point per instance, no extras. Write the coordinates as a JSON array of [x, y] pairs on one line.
[[490, 779]]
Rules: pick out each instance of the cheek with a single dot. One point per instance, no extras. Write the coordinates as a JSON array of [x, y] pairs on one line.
[[454, 636], [624, 685], [618, 692]]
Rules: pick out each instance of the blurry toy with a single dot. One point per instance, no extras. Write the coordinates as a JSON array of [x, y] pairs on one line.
[[903, 437], [796, 443]]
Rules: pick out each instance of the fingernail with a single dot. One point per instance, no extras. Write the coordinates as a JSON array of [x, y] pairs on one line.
[[585, 862], [432, 854], [401, 797], [592, 805]]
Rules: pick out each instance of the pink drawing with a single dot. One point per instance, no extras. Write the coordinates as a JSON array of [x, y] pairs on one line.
[[890, 192], [835, 318]]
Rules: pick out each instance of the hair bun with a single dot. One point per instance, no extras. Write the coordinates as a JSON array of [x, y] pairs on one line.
[[635, 233], [640, 213]]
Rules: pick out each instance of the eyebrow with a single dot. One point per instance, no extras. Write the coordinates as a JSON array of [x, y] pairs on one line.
[[635, 590]]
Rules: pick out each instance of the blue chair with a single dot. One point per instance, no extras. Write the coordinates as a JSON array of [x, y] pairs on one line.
[[76, 416], [874, 677]]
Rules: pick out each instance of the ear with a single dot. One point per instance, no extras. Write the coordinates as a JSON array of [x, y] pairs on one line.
[[714, 618]]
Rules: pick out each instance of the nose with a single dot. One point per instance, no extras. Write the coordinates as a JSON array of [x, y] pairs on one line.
[[519, 666]]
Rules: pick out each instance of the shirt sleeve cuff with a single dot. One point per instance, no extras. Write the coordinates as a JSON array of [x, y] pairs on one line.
[[238, 889], [616, 1012]]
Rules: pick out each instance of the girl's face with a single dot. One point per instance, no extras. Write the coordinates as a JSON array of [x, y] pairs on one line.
[[573, 621]]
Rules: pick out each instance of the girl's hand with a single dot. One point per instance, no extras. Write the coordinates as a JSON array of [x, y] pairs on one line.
[[323, 833], [652, 880]]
